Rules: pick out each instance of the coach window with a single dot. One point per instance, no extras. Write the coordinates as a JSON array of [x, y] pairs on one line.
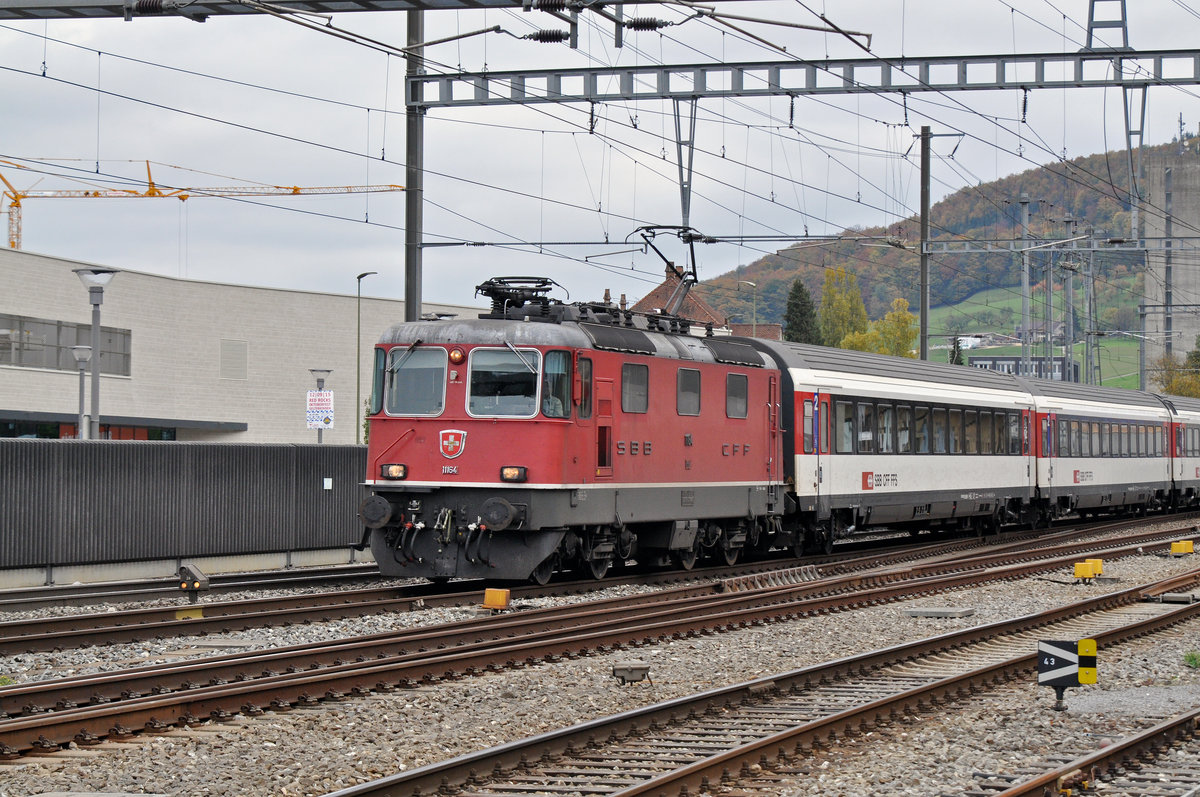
[[687, 392], [987, 443], [885, 428], [1015, 441], [737, 395], [825, 419], [503, 383], [556, 385], [807, 428], [844, 428], [921, 435], [1076, 440], [1158, 441], [416, 380], [1095, 435], [954, 431], [1085, 439], [1124, 439], [635, 388], [1064, 438], [970, 432], [866, 427], [1144, 437], [904, 429], [939, 430]]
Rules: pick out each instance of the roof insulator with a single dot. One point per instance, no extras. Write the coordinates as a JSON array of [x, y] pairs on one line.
[[645, 23], [548, 36], [550, 5]]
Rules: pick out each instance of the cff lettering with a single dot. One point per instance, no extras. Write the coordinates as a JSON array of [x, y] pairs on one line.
[[735, 449]]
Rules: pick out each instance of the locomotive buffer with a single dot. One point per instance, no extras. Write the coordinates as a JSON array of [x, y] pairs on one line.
[[1063, 664]]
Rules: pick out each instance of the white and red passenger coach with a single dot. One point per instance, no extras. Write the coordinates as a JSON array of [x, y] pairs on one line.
[[544, 436]]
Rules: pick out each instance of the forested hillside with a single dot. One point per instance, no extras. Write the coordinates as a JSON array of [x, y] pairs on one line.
[[1081, 188]]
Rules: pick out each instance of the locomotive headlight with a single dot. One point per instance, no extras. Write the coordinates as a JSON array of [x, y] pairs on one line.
[[393, 471], [512, 473], [457, 356]]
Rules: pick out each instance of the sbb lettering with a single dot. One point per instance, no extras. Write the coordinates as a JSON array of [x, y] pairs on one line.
[[634, 447]]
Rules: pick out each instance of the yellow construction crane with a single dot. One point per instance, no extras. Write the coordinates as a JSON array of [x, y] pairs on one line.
[[15, 196]]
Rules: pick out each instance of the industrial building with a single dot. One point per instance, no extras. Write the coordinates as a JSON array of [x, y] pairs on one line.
[[182, 359]]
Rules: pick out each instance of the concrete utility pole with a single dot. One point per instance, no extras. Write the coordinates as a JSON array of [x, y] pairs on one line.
[[1025, 320], [1168, 266], [925, 168], [414, 169]]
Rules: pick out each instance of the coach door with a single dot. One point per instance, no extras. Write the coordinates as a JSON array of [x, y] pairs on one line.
[[604, 427], [773, 410]]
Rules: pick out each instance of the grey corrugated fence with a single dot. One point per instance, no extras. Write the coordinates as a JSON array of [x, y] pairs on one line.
[[68, 502]]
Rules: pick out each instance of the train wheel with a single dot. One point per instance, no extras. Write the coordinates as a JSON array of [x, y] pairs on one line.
[[687, 559], [541, 574], [730, 556], [598, 567]]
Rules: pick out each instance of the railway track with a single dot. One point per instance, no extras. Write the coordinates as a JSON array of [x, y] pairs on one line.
[[25, 599], [745, 738], [132, 625], [45, 714]]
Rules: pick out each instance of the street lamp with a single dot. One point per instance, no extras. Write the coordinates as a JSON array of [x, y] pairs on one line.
[[753, 306], [94, 279], [82, 355], [320, 374], [358, 361]]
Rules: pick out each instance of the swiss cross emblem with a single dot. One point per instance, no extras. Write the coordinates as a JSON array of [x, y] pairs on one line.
[[453, 442]]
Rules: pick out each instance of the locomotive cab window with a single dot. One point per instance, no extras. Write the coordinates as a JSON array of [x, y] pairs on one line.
[[737, 395], [635, 388], [415, 381], [687, 392], [556, 385], [503, 383]]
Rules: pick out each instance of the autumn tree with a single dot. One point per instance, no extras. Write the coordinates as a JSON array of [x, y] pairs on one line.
[[842, 310], [800, 322], [894, 334], [1178, 378]]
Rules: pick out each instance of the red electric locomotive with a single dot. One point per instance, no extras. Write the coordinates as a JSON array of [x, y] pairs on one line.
[[541, 436]]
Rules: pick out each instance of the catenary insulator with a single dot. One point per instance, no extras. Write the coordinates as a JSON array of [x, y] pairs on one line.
[[645, 23], [550, 5], [548, 36]]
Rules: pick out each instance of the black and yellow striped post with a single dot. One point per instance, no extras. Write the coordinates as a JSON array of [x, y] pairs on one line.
[[1066, 663]]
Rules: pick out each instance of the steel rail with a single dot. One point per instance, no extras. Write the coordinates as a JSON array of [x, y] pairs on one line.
[[683, 603], [132, 625], [1089, 768], [701, 776], [188, 704]]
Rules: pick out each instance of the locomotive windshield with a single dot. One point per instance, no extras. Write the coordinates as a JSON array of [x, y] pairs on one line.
[[416, 381], [504, 383]]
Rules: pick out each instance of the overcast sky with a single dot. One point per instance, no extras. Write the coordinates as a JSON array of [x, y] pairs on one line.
[[258, 100]]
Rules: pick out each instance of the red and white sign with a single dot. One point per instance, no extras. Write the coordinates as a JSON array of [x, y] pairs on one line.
[[453, 441], [868, 480]]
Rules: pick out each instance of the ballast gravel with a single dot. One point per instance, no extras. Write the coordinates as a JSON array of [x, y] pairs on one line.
[[334, 745]]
